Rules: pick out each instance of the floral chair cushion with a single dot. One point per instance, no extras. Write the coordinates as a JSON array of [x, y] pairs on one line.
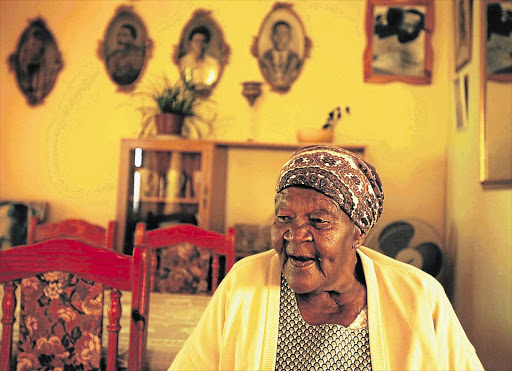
[[182, 268], [60, 323]]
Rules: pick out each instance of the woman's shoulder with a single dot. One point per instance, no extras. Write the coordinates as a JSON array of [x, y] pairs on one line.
[[402, 272], [254, 268], [256, 260]]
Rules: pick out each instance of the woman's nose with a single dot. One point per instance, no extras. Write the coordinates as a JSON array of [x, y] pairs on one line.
[[298, 233]]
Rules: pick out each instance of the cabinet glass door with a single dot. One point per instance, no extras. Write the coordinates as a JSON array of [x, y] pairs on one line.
[[164, 188]]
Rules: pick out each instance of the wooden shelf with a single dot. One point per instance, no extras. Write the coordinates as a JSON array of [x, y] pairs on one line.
[[175, 200], [250, 144], [276, 146]]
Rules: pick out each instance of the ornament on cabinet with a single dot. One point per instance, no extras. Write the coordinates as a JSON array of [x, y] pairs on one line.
[[251, 90], [36, 62]]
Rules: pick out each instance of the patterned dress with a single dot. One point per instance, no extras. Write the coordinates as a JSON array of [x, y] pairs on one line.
[[301, 346]]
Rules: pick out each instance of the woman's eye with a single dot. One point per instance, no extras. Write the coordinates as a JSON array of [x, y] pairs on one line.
[[318, 221]]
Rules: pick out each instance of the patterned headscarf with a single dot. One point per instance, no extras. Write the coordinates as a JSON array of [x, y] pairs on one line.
[[352, 182]]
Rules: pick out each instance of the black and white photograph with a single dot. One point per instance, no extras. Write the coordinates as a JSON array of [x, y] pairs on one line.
[[399, 41], [463, 31], [281, 47], [499, 40], [36, 62], [461, 111], [125, 48], [201, 53]]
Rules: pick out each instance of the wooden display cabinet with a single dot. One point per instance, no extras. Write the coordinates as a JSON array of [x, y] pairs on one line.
[[167, 181]]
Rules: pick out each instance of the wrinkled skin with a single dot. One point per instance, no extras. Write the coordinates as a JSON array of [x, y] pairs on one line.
[[316, 243]]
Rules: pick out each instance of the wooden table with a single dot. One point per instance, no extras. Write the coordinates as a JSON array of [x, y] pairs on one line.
[[172, 317]]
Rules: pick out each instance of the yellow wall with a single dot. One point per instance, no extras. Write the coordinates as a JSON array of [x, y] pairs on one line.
[[66, 151], [479, 235], [74, 136]]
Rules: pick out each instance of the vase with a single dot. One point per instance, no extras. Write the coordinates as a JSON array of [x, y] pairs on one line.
[[169, 123], [313, 135]]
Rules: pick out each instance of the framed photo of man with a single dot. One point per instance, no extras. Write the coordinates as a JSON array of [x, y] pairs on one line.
[[463, 32], [36, 62], [399, 45], [499, 40], [125, 48], [202, 53], [281, 47]]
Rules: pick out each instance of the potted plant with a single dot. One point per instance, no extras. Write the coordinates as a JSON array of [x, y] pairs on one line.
[[171, 104]]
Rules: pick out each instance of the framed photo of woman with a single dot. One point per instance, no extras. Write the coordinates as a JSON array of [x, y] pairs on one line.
[[463, 22], [499, 40], [125, 48], [201, 53], [399, 45], [281, 47]]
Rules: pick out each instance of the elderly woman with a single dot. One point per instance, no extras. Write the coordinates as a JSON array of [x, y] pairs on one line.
[[322, 301]]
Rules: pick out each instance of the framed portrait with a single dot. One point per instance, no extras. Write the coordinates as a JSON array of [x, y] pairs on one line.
[[202, 53], [399, 45], [463, 31], [36, 62], [281, 47], [499, 40], [495, 94], [460, 91], [125, 48]]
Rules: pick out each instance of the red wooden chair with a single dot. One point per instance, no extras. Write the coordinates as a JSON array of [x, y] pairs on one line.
[[68, 285], [72, 228], [218, 244], [88, 262]]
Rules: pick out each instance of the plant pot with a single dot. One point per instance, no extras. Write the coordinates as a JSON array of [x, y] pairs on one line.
[[169, 123]]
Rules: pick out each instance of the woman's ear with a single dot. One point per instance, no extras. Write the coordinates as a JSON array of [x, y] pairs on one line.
[[359, 238]]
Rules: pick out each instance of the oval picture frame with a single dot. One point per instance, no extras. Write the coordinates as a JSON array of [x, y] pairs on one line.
[[125, 48], [36, 62], [281, 47], [202, 76]]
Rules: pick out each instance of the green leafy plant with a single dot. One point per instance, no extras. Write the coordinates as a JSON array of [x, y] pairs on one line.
[[178, 98]]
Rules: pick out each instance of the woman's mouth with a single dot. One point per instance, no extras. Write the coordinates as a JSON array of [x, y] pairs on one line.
[[301, 261]]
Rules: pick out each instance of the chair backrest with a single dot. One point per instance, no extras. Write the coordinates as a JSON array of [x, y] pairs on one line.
[[88, 263], [63, 288], [217, 243], [72, 228]]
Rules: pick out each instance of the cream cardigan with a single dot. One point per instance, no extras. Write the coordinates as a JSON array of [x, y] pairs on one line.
[[411, 322]]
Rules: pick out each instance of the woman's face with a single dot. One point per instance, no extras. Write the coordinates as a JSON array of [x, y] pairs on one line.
[[315, 241], [198, 44]]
